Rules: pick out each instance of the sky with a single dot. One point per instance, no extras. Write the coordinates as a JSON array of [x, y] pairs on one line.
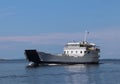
[[47, 25]]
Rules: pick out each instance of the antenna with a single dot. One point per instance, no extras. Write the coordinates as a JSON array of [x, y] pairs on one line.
[[85, 36]]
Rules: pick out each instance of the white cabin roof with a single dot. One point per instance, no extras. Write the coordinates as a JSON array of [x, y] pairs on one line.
[[74, 43], [85, 44]]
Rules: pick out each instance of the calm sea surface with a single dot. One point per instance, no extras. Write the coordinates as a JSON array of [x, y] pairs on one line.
[[15, 72]]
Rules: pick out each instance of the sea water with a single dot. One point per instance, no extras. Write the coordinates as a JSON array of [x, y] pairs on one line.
[[16, 72]]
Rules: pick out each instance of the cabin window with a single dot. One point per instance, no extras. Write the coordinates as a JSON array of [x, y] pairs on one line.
[[76, 51], [67, 52], [80, 51]]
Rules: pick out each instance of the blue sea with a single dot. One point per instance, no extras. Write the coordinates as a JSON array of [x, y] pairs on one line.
[[16, 72]]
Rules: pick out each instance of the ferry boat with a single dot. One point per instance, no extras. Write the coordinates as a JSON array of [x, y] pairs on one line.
[[73, 53]]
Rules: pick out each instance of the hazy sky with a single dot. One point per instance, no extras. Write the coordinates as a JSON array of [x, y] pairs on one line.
[[47, 25]]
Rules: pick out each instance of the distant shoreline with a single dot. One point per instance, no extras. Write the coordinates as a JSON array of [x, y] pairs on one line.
[[12, 59]]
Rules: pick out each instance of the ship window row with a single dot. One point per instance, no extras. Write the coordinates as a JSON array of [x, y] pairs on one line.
[[67, 52]]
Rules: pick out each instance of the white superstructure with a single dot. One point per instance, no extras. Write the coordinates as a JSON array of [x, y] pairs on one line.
[[80, 49]]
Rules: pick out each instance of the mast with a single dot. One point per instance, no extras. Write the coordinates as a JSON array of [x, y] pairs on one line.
[[85, 36]]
